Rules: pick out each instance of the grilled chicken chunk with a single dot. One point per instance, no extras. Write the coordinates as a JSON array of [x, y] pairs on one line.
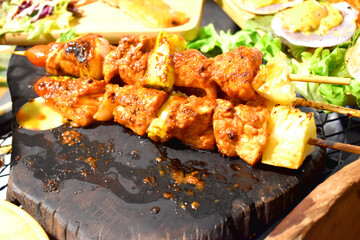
[[136, 107], [233, 71], [240, 130], [129, 59], [76, 99], [190, 72], [188, 119], [82, 57], [108, 103], [192, 123]]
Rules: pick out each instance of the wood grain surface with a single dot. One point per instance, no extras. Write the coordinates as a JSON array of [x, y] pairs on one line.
[[330, 211]]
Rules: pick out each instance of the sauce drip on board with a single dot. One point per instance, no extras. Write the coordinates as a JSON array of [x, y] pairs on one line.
[[193, 185], [39, 115]]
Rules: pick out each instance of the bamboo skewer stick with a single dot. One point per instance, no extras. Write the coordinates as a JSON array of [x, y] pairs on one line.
[[335, 145], [19, 53], [329, 107], [320, 79]]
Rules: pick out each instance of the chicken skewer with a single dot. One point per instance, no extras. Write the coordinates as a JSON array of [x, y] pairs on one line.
[[224, 70], [81, 57], [191, 69], [129, 46], [251, 131]]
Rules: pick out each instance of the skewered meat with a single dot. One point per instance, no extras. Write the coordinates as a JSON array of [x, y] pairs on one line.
[[188, 119], [81, 57], [136, 107], [240, 130], [199, 122], [190, 72], [192, 123], [233, 71], [108, 103], [76, 99], [129, 59]]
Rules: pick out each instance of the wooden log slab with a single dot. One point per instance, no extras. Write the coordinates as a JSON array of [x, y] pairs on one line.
[[330, 211], [112, 184]]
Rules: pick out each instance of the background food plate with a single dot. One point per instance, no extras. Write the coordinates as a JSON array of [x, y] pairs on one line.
[[112, 23], [235, 12]]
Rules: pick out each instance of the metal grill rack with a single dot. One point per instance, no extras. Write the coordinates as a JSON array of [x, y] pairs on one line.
[[339, 128], [5, 154]]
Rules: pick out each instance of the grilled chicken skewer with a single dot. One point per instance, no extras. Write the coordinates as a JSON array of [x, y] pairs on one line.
[[255, 131], [136, 61], [199, 122], [81, 57], [232, 122]]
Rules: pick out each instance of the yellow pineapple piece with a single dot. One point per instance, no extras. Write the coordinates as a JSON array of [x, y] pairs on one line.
[[290, 130], [273, 81], [160, 72], [158, 129]]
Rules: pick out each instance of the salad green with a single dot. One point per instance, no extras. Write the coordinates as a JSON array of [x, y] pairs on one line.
[[327, 62], [35, 17], [321, 61], [210, 42]]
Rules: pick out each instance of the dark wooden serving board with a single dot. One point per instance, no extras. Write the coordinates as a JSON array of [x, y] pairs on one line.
[[73, 200]]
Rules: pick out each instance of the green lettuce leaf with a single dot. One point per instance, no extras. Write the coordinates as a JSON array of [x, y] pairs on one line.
[[355, 90], [59, 20], [213, 43], [323, 62]]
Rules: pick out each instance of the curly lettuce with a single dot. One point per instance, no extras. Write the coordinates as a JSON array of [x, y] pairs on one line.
[[39, 22], [326, 62], [212, 43]]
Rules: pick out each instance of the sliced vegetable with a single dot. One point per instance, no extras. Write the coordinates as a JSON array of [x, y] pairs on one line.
[[273, 81], [289, 133], [160, 73]]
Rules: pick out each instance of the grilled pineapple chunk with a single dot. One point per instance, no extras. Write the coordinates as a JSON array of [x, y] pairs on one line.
[[158, 129], [290, 130], [273, 81], [160, 72]]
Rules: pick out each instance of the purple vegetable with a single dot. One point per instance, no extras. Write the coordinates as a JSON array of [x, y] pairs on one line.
[[71, 8], [21, 7]]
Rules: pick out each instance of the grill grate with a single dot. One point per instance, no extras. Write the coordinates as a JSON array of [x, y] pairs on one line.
[[5, 154]]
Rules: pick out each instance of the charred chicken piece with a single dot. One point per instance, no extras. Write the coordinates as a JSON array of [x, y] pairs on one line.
[[241, 130], [188, 119], [137, 106], [190, 72], [233, 71], [108, 103], [76, 99], [193, 123], [82, 57], [129, 59]]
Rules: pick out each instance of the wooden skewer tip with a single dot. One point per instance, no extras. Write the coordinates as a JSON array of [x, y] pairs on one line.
[[320, 79], [19, 53]]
